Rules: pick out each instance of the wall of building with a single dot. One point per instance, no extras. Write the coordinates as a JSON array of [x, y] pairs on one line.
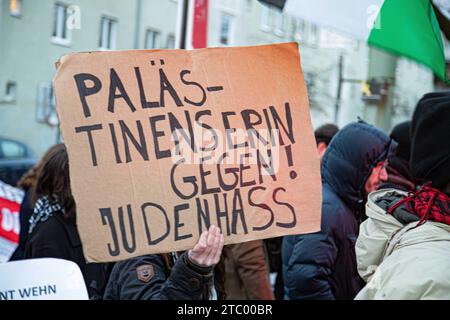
[[159, 16], [28, 53], [320, 51]]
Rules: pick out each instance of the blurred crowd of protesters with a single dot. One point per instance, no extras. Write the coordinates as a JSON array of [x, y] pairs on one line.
[[385, 230]]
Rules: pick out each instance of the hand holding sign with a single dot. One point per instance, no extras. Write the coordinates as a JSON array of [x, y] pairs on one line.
[[208, 249]]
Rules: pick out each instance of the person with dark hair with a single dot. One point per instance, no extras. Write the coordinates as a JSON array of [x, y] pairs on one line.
[[399, 174], [27, 183], [322, 265], [323, 135], [174, 276], [273, 248], [403, 247], [52, 229]]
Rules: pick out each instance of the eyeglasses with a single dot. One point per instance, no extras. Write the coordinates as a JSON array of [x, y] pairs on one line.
[[384, 164], [381, 166]]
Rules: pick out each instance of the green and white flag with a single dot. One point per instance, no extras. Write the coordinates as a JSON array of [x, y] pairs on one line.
[[406, 28]]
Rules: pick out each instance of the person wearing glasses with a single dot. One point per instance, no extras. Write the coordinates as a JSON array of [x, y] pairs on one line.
[[322, 265]]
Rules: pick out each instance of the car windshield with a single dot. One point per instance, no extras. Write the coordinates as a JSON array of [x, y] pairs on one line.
[[11, 150]]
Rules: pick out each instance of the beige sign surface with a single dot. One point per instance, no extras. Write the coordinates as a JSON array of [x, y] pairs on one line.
[[164, 143]]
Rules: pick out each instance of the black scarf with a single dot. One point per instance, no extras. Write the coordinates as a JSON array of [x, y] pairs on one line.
[[44, 208]]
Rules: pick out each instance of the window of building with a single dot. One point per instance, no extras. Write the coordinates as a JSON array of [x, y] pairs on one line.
[[292, 28], [61, 34], [310, 81], [15, 8], [170, 41], [313, 34], [225, 28], [248, 5], [300, 30], [266, 18], [11, 91], [279, 22], [152, 39], [45, 104], [108, 34]]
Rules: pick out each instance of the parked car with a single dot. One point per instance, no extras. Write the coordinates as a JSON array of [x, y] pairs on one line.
[[16, 158]]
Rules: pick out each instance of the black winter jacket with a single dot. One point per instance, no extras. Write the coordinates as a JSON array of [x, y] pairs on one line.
[[322, 265], [58, 238], [148, 278]]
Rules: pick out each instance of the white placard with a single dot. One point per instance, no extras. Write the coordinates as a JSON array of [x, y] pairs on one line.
[[42, 279]]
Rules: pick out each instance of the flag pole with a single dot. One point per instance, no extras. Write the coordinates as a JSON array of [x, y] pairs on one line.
[[339, 88]]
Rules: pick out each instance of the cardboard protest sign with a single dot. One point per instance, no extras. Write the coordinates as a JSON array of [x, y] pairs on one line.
[[42, 279], [164, 143]]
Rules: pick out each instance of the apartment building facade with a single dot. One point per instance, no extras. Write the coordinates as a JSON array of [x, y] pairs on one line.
[[34, 34]]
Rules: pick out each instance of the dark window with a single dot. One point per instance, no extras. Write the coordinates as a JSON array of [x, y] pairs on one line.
[[152, 39], [15, 8], [225, 28], [11, 91], [108, 33], [59, 21], [170, 41]]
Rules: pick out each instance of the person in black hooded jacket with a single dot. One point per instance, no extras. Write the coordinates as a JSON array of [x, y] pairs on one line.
[[322, 265], [399, 173]]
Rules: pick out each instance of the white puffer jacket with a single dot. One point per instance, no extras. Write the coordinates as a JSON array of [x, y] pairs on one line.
[[402, 262]]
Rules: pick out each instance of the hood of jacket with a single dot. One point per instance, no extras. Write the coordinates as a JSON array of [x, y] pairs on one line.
[[352, 154], [380, 227], [376, 208]]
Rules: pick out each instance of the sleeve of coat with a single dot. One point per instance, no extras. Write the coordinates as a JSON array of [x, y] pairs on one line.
[[310, 266], [374, 235], [253, 270], [183, 283], [48, 240]]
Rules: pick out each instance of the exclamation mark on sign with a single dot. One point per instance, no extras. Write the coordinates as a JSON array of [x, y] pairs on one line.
[[292, 174]]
